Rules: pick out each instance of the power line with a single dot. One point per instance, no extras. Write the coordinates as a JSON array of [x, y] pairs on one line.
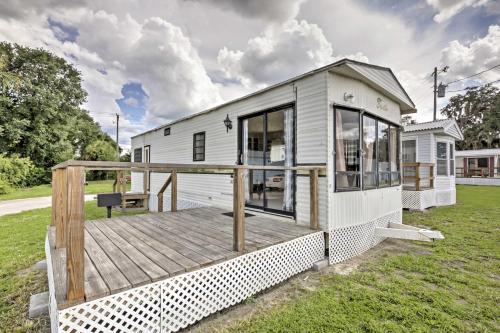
[[468, 77], [468, 88]]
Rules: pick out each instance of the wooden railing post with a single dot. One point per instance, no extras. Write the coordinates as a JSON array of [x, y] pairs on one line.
[[122, 187], [313, 201], [173, 194], [417, 177], [431, 175], [238, 210], [75, 254], [60, 207], [160, 193]]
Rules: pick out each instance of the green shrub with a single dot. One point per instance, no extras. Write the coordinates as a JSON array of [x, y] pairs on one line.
[[4, 187], [18, 171]]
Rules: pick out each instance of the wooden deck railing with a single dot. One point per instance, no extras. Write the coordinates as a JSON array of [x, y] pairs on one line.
[[68, 206], [418, 176]]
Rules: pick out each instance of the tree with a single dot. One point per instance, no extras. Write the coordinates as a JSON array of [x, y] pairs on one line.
[[100, 150], [41, 114], [477, 113]]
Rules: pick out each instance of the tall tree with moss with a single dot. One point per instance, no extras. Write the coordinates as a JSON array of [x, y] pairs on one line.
[[41, 114], [477, 113]]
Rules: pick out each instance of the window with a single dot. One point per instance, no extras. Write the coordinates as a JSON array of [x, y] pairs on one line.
[[410, 151], [452, 160], [482, 162], [199, 146], [394, 155], [138, 155], [166, 131], [347, 149], [384, 168], [441, 159], [369, 152]]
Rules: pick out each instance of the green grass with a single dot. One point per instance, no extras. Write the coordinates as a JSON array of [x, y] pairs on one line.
[[447, 286], [22, 243], [45, 190]]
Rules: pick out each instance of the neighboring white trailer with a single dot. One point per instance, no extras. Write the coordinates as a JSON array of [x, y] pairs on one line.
[[478, 167], [429, 164], [345, 115]]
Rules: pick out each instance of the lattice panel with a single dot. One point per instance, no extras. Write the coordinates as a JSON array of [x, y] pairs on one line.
[[350, 241], [177, 302], [136, 310], [418, 200]]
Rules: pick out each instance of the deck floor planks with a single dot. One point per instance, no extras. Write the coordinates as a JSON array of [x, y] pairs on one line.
[[114, 279], [133, 273], [159, 258], [202, 256], [154, 271], [183, 230], [128, 251], [177, 257], [95, 287]]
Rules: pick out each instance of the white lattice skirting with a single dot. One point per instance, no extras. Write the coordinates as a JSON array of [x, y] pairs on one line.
[[350, 241], [419, 200], [177, 302]]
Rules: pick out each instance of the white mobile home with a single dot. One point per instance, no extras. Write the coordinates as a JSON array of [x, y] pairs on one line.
[[478, 167], [428, 164], [345, 116]]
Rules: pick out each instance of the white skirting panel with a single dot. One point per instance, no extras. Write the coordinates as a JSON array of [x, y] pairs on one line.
[[350, 241], [177, 302], [446, 198], [478, 181], [53, 313], [419, 200]]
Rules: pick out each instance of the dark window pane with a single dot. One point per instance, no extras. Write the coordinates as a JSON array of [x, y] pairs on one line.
[[410, 151], [199, 146], [138, 155]]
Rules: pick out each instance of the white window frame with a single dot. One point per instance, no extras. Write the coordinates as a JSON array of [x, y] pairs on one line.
[[410, 138], [447, 158]]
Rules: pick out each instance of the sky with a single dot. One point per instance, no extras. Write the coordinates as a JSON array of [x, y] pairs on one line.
[[155, 61]]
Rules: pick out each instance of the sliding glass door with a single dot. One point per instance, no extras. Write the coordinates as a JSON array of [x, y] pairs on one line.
[[267, 140]]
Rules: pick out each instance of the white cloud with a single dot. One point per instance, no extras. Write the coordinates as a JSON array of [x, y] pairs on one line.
[[268, 10], [281, 52], [449, 8], [131, 101], [465, 60]]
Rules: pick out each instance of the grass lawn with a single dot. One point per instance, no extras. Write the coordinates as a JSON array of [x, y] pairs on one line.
[[22, 243], [447, 286], [45, 190]]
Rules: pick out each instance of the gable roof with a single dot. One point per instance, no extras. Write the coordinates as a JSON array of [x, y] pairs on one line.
[[378, 77], [445, 126]]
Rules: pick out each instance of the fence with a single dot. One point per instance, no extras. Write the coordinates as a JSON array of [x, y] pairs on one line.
[[418, 176]]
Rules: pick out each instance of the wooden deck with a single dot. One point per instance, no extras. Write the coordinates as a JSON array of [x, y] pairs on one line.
[[126, 252]]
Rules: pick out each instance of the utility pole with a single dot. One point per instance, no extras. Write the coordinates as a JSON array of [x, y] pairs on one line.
[[435, 73], [117, 128]]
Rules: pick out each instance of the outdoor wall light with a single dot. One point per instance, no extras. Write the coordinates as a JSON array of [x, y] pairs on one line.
[[228, 123], [349, 97]]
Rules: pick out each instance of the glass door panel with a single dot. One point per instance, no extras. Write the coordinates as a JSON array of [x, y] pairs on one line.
[[267, 140], [253, 154]]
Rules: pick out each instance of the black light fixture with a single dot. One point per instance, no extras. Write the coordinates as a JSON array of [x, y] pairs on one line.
[[228, 123]]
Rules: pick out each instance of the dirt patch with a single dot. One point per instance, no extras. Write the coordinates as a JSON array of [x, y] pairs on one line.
[[297, 286]]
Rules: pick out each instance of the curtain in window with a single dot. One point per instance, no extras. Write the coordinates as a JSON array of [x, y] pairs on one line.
[[369, 152], [347, 149], [384, 168], [394, 155], [288, 195]]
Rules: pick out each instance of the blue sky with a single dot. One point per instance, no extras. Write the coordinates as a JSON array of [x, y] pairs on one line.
[[155, 61]]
